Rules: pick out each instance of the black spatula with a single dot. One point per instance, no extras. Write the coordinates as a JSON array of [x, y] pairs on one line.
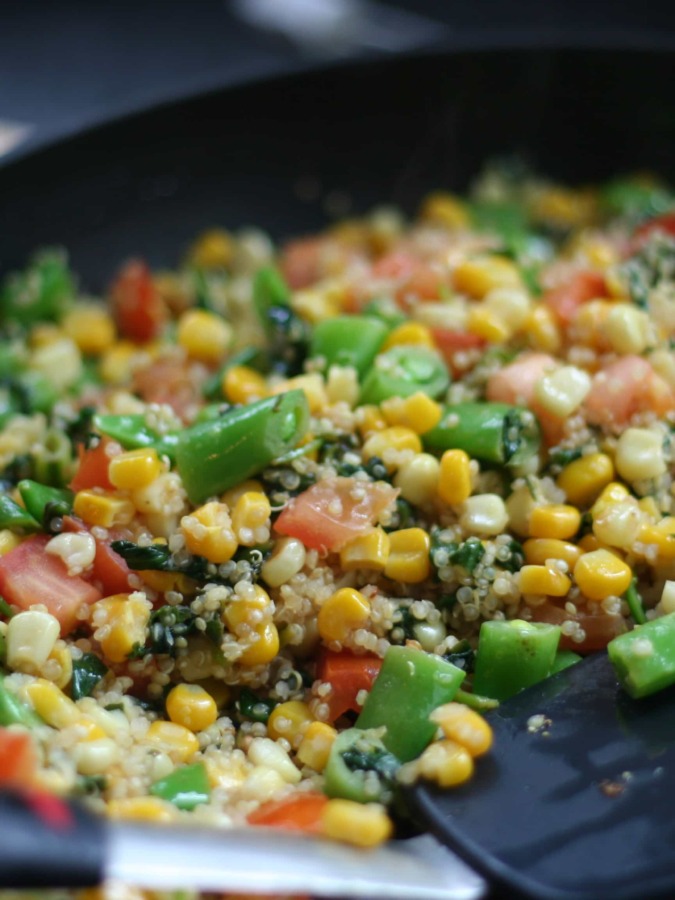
[[577, 800]]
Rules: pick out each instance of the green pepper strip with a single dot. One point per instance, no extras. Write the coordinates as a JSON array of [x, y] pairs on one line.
[[13, 711], [409, 686], [185, 788], [513, 655], [634, 601], [132, 432], [476, 701], [37, 497], [491, 432], [214, 456], [14, 516], [354, 756], [404, 370], [348, 341], [644, 658]]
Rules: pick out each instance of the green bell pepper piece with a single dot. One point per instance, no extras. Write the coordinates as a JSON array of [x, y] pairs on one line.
[[513, 655], [409, 686], [644, 658], [348, 341], [13, 711], [14, 516], [37, 497], [186, 787], [564, 659], [132, 433], [360, 768], [404, 370]]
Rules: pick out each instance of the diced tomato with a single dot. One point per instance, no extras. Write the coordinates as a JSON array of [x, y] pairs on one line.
[[424, 283], [332, 512], [92, 470], [599, 629], [300, 262], [109, 570], [624, 388], [298, 812], [29, 575], [452, 343], [397, 266], [18, 760], [664, 223], [347, 674], [565, 299], [169, 381], [137, 305], [515, 383]]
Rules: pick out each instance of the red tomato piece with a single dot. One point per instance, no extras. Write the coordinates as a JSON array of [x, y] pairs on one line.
[[664, 223], [300, 262], [137, 306], [565, 299], [18, 761], [109, 570], [170, 381], [624, 388], [93, 468], [29, 575], [299, 812], [515, 383], [452, 343], [332, 512], [599, 629], [347, 674]]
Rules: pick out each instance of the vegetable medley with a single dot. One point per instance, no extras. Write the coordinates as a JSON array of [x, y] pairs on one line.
[[277, 527]]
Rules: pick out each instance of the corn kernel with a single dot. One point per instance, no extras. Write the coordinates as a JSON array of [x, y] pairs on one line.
[[8, 541], [562, 391], [639, 454], [484, 514], [583, 479], [191, 706], [176, 740], [367, 551], [144, 809], [91, 327], [601, 574], [617, 524], [612, 493], [454, 485], [667, 602], [342, 385], [539, 550], [418, 412], [208, 532], [663, 363], [120, 620], [392, 445], [662, 536], [555, 520], [268, 755], [446, 210], [362, 824], [289, 720], [313, 387], [485, 323], [417, 479], [369, 419], [204, 335], [445, 762], [477, 276], [214, 249], [409, 333], [322, 301], [542, 330], [31, 636], [409, 556], [546, 579], [264, 648], [343, 612], [510, 305], [286, 560], [243, 613], [314, 748], [60, 362], [105, 510], [629, 329], [115, 363], [240, 384], [134, 469], [59, 665], [251, 518], [464, 726]]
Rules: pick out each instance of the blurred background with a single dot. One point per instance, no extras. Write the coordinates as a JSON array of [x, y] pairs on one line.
[[65, 66]]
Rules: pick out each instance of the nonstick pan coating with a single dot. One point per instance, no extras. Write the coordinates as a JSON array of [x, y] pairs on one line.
[[282, 154]]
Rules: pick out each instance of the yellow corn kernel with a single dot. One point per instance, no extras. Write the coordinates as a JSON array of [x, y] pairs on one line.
[[485, 323], [562, 391], [629, 329], [418, 412], [464, 726], [662, 536], [175, 740], [601, 574], [614, 492], [542, 330], [509, 305], [539, 550], [367, 551], [204, 335], [649, 507], [289, 720], [409, 333], [409, 556], [590, 323], [393, 445], [313, 387], [362, 824], [445, 209], [121, 620], [639, 454], [59, 667], [213, 249], [445, 762], [8, 541], [145, 809], [286, 560], [417, 479], [51, 704], [208, 532], [263, 648], [167, 581], [583, 479], [454, 485], [343, 612], [555, 520], [191, 706], [369, 419], [565, 207], [546, 579], [314, 748], [91, 327], [231, 497], [103, 509], [135, 468], [249, 611], [251, 518], [115, 364], [617, 524], [242, 384], [477, 276]]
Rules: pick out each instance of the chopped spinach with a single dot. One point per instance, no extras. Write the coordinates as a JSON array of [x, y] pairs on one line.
[[254, 708], [88, 671]]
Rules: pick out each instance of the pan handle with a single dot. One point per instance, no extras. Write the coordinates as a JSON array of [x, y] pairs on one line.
[[46, 841]]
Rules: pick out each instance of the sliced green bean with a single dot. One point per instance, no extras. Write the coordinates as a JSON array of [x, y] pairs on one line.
[[403, 370]]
